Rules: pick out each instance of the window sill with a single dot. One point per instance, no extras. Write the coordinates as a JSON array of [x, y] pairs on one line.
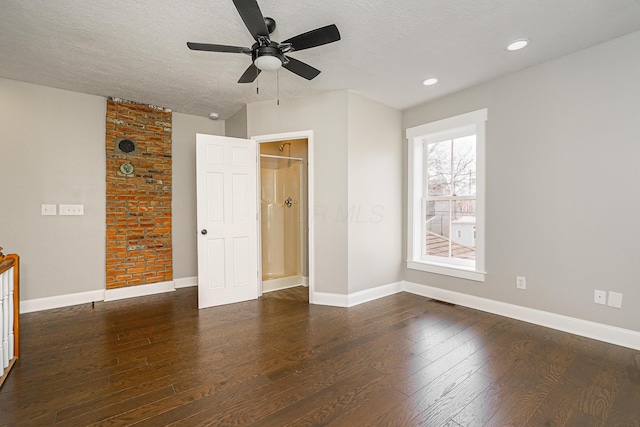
[[447, 270]]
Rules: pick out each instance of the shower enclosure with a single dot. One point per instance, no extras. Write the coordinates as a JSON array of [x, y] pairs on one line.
[[281, 225]]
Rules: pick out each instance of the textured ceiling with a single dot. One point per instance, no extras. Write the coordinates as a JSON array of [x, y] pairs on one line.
[[137, 50]]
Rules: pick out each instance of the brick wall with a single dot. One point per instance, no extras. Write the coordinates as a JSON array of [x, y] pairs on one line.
[[139, 204]]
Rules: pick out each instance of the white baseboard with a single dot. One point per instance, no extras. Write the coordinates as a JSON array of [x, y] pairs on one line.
[[374, 293], [598, 331], [58, 301], [324, 298], [266, 291], [138, 291], [585, 328], [47, 303], [340, 300], [186, 282], [281, 283]]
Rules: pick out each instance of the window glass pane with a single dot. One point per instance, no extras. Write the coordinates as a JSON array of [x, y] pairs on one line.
[[438, 219], [463, 229], [438, 168], [464, 166]]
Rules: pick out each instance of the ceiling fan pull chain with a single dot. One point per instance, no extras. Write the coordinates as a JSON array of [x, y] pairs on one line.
[[258, 85], [278, 85]]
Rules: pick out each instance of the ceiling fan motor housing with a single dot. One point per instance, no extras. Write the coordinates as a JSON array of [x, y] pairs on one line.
[[270, 23]]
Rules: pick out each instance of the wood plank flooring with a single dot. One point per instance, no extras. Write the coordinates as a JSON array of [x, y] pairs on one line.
[[402, 360]]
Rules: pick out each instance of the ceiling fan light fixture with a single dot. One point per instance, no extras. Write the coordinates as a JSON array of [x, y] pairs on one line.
[[268, 63]]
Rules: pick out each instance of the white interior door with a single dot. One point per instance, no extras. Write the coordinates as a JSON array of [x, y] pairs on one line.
[[227, 220]]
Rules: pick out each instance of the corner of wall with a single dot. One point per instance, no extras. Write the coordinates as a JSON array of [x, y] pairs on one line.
[[237, 125]]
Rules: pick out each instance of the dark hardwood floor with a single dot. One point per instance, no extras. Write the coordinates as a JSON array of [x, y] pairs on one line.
[[402, 360]]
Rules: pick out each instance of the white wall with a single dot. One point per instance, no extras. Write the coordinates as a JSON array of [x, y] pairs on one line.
[[357, 183], [52, 151], [375, 193], [183, 141], [562, 169], [236, 125], [325, 114]]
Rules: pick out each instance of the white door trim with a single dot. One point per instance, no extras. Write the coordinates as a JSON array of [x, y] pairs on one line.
[[308, 134]]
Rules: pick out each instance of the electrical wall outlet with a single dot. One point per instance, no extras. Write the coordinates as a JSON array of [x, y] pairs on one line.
[[615, 299], [521, 282], [71, 209], [600, 297], [48, 209]]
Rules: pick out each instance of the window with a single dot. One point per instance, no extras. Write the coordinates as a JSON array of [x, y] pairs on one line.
[[445, 232]]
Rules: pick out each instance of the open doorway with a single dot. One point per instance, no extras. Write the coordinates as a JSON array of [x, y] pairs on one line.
[[284, 210]]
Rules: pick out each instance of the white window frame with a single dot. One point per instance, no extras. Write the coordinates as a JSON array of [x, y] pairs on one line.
[[438, 130]]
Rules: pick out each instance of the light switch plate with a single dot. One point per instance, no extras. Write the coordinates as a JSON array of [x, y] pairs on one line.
[[71, 209]]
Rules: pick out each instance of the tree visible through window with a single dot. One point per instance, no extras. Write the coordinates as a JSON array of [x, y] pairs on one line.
[[449, 203]]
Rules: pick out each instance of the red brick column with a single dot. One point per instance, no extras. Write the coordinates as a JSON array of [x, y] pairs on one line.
[[138, 204]]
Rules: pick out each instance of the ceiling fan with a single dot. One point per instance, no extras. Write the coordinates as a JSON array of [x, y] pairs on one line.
[[266, 54]]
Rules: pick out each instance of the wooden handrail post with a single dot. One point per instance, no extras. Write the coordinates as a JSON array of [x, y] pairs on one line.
[[7, 262]]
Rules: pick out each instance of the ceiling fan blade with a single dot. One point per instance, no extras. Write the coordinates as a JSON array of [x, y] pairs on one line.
[[313, 38], [252, 16], [301, 69], [218, 48], [250, 74]]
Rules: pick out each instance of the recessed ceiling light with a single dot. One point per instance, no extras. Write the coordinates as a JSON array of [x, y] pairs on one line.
[[517, 44], [430, 82]]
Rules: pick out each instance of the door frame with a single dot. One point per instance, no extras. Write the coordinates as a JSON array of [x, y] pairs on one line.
[[308, 135]]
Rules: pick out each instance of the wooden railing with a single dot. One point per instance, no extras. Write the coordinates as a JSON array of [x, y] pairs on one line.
[[9, 312]]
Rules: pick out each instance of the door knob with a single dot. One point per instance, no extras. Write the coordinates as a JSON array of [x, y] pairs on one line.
[[204, 231]]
